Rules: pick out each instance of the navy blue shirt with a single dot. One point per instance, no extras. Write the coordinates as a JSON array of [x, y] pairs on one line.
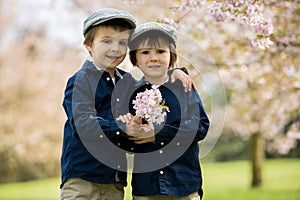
[[171, 165], [91, 135]]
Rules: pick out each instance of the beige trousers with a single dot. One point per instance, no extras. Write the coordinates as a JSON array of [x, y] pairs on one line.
[[193, 196], [76, 188]]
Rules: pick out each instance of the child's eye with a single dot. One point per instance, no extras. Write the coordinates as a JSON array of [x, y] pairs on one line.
[[107, 41], [123, 43], [145, 52], [161, 51]]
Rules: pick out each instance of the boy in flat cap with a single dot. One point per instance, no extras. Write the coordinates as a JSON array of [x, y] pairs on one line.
[[92, 164], [166, 156]]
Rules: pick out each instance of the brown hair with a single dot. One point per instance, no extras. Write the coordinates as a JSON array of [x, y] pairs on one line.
[[154, 39], [117, 24]]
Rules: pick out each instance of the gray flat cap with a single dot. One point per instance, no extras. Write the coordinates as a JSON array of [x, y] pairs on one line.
[[106, 14], [154, 26]]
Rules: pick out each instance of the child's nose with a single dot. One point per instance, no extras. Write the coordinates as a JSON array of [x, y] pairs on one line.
[[115, 46], [154, 57]]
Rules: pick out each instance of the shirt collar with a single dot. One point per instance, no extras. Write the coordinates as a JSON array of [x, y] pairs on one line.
[[117, 73], [143, 81]]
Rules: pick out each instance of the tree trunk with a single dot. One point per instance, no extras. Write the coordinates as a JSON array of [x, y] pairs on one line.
[[257, 158]]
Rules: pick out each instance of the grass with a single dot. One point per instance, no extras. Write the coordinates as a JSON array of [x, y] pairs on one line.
[[47, 189], [231, 180], [222, 181]]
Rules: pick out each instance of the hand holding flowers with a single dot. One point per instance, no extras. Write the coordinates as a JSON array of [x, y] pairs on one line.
[[148, 107], [136, 130]]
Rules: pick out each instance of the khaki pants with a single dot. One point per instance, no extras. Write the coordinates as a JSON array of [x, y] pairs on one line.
[[76, 188], [193, 196]]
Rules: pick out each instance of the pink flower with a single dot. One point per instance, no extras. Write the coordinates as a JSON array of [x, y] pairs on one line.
[[264, 28], [247, 12], [262, 43], [150, 106], [215, 10]]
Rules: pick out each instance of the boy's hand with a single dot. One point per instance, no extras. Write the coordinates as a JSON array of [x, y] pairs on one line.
[[133, 124], [143, 136], [125, 118], [135, 130], [187, 82]]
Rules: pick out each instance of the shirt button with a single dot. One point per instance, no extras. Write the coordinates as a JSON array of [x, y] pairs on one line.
[[118, 99], [107, 78], [119, 144], [161, 172], [118, 132], [161, 151], [162, 143], [101, 136], [178, 143], [132, 148]]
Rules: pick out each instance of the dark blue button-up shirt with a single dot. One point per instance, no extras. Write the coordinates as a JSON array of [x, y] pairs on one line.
[[91, 135], [170, 165]]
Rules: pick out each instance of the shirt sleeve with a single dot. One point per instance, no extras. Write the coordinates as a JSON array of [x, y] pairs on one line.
[[79, 105], [179, 68]]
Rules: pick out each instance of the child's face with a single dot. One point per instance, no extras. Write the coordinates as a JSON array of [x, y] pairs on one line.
[[109, 48], [154, 61]]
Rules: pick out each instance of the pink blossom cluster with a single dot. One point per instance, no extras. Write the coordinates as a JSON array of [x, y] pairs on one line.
[[170, 22], [148, 106], [261, 43], [216, 11], [245, 12]]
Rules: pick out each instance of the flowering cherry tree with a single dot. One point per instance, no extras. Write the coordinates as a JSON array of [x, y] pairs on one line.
[[248, 12]]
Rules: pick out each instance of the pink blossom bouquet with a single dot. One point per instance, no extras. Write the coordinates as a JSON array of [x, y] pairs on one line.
[[150, 107]]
